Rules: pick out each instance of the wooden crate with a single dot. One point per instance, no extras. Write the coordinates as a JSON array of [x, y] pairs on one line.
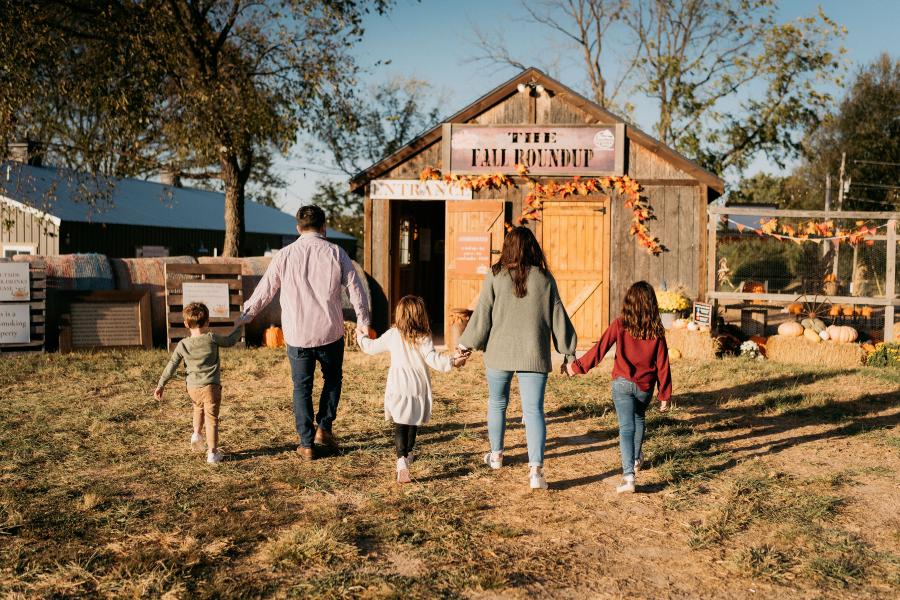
[[38, 313], [177, 274]]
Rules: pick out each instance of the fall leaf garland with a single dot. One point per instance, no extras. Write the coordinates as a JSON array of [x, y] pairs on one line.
[[811, 231], [533, 203]]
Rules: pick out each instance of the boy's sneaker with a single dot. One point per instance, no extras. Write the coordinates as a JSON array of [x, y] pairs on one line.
[[197, 442], [402, 470], [214, 457], [494, 459], [627, 486], [537, 481]]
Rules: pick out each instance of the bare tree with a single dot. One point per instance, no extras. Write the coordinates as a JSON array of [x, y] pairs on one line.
[[585, 25]]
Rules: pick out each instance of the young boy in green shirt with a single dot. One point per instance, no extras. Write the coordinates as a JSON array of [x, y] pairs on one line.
[[200, 353]]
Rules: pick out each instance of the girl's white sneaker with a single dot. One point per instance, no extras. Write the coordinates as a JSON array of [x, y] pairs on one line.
[[197, 442], [627, 486], [494, 459], [214, 457], [403, 470], [536, 480]]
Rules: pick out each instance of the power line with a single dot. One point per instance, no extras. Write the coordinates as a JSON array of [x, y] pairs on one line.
[[877, 162], [875, 185]]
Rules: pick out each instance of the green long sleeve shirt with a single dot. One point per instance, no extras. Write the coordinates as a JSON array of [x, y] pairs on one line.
[[201, 358], [515, 333]]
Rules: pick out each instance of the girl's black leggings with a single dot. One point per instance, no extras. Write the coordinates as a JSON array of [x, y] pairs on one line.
[[404, 438]]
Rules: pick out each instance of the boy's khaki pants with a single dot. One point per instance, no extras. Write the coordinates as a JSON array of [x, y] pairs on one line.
[[207, 400]]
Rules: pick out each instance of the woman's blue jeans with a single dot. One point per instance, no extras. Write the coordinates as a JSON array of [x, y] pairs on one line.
[[531, 389], [631, 404]]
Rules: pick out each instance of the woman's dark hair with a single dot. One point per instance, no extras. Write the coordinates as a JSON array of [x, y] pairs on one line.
[[640, 312], [521, 251]]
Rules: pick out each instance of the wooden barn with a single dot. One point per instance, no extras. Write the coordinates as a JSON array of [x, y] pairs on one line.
[[437, 241]]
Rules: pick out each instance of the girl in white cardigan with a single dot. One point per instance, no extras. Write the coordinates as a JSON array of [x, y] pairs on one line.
[[407, 397]]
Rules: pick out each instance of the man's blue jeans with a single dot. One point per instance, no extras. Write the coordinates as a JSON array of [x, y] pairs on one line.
[[303, 367], [631, 404], [531, 389]]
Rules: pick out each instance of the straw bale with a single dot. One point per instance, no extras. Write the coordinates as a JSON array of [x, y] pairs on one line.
[[693, 344], [797, 350], [75, 271]]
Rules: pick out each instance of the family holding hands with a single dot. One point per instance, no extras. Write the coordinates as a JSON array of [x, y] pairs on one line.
[[519, 313]]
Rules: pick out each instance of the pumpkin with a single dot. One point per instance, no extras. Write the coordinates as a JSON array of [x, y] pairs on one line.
[[897, 332], [847, 310], [866, 311], [754, 287], [274, 337], [790, 329], [842, 334], [811, 335], [869, 348], [679, 323], [816, 325], [674, 353], [795, 308], [834, 311], [824, 335]]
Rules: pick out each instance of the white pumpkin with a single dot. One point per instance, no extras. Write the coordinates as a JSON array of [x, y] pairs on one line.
[[790, 329], [824, 335], [842, 334]]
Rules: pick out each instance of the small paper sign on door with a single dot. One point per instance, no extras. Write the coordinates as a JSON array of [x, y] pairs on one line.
[[213, 295], [473, 252], [15, 284]]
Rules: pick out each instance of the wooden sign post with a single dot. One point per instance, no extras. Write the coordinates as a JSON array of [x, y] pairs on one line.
[[219, 286], [23, 306]]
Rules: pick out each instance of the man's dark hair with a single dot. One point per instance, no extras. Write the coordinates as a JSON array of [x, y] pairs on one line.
[[310, 217]]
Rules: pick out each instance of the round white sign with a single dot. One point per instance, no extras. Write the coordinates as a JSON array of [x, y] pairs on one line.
[[605, 140]]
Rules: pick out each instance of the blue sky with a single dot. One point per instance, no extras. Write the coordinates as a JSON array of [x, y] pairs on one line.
[[433, 41]]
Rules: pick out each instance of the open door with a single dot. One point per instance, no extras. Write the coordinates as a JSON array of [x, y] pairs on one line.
[[474, 235], [576, 244]]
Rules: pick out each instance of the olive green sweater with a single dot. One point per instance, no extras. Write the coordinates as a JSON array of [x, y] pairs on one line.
[[515, 333], [201, 358]]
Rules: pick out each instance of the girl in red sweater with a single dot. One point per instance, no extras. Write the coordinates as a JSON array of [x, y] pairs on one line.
[[642, 362]]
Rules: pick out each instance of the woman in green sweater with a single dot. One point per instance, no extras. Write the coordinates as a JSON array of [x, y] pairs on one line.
[[518, 313]]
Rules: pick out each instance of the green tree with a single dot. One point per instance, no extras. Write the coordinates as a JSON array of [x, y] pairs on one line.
[[865, 126], [219, 87]]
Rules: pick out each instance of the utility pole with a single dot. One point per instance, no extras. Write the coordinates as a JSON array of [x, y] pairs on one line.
[[827, 208]]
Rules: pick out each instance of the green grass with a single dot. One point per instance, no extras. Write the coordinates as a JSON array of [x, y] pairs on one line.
[[101, 497]]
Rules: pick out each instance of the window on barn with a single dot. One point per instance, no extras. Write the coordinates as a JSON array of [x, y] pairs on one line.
[[405, 245], [10, 250]]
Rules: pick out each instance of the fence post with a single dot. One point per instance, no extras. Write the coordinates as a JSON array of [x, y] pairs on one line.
[[890, 279], [712, 222]]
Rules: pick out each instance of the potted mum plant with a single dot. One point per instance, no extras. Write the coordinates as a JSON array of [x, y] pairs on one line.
[[672, 304]]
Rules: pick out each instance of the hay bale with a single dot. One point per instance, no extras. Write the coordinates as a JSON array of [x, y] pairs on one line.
[[252, 270], [149, 274], [75, 271], [693, 344], [799, 351]]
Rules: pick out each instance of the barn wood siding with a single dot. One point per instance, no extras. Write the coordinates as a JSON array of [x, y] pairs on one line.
[[18, 226]]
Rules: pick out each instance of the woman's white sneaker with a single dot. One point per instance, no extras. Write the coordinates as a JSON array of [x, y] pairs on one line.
[[214, 457], [536, 480], [494, 459], [627, 486]]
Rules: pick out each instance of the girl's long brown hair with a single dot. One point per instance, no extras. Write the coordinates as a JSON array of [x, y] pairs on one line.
[[640, 312], [521, 252], [411, 319]]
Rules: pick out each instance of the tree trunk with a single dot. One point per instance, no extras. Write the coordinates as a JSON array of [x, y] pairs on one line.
[[235, 188]]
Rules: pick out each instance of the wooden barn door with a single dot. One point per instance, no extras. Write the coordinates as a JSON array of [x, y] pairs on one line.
[[575, 238], [474, 232]]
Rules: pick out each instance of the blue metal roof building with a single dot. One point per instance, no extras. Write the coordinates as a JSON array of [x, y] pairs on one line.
[[59, 211]]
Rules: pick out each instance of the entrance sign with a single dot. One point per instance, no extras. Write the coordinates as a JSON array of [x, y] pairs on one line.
[[213, 295], [15, 284], [413, 189], [15, 323], [473, 253], [545, 150]]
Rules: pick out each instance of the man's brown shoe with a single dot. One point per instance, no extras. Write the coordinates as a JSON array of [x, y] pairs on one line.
[[305, 453], [326, 438]]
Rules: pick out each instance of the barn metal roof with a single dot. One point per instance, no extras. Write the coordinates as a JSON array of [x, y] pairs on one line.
[[74, 196]]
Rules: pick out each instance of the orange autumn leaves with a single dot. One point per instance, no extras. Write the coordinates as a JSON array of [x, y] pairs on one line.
[[813, 230], [533, 203]]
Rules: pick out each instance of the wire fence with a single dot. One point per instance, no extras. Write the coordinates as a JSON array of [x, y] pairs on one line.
[[845, 263]]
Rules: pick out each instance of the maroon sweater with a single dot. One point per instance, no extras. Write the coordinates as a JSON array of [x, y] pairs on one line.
[[645, 362]]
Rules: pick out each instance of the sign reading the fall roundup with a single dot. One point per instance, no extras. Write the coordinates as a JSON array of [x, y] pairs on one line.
[[15, 285], [555, 150]]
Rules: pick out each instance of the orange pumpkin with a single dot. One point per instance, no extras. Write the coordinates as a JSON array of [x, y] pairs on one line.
[[834, 311], [848, 310], [866, 311], [274, 337], [795, 308], [754, 287]]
